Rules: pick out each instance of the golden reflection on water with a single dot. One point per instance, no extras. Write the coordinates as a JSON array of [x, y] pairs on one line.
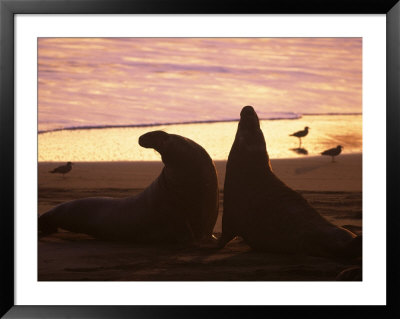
[[121, 144]]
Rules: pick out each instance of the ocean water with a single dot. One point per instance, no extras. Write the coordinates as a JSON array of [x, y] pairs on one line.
[[105, 82]]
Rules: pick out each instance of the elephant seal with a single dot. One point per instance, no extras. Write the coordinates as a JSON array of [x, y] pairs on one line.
[[268, 214], [181, 205], [353, 273]]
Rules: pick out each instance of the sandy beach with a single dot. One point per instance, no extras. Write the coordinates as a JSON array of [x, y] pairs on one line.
[[334, 189]]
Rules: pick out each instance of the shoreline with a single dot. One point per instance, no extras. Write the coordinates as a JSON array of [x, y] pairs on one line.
[[306, 174], [115, 144], [296, 116]]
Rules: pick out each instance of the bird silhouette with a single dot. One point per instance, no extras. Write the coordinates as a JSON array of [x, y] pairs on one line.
[[63, 169], [301, 134], [333, 152]]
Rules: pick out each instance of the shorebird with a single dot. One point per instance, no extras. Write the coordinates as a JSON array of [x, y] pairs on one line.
[[333, 152], [301, 134], [63, 169]]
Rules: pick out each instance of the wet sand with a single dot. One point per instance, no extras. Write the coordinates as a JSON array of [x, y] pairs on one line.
[[334, 189]]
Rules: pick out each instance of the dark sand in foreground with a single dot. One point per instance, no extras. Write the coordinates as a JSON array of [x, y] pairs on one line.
[[334, 189]]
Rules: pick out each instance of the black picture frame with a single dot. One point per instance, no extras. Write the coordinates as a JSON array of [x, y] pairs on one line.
[[8, 8]]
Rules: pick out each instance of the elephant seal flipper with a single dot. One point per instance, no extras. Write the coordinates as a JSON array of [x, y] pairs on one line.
[[263, 210], [353, 273], [181, 205]]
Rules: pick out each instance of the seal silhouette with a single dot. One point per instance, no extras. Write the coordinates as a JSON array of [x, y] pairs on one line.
[[181, 205], [268, 214]]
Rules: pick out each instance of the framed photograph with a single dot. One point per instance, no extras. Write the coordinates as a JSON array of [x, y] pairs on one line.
[[170, 159]]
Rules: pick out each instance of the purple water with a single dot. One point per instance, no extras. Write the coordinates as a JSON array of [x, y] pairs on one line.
[[101, 82]]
